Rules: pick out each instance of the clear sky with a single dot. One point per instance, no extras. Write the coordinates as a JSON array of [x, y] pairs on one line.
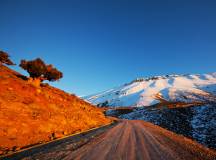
[[99, 44]]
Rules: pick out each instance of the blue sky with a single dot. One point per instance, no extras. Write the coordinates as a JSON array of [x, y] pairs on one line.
[[100, 44]]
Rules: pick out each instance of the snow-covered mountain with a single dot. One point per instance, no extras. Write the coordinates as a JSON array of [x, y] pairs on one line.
[[197, 122], [150, 91]]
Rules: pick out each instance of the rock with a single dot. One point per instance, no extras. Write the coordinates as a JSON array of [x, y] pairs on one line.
[[10, 89], [52, 136], [38, 91], [65, 132], [17, 148], [1, 152], [58, 134]]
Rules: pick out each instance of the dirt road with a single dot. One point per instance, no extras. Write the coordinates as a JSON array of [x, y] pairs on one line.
[[135, 140]]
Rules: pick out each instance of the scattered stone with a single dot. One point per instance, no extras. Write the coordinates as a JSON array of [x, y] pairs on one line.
[[10, 89], [38, 91], [65, 132], [58, 134]]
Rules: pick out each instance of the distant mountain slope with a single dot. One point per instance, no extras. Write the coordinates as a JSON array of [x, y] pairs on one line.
[[197, 122], [150, 91], [30, 115]]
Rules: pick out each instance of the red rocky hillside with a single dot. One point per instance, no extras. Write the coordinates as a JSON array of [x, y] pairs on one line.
[[31, 115]]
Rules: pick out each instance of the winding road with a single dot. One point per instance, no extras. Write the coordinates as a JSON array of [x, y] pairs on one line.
[[134, 140]]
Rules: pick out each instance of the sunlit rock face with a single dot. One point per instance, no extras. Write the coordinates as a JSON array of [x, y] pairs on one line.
[[32, 114]]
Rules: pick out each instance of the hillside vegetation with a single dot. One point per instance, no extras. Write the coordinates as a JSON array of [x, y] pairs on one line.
[[31, 115]]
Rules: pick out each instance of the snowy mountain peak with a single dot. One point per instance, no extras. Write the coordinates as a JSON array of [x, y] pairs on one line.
[[149, 91]]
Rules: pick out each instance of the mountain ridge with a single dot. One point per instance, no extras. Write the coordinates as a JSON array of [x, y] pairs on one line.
[[150, 91]]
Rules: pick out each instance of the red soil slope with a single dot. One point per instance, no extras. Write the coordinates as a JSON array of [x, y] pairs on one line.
[[30, 115]]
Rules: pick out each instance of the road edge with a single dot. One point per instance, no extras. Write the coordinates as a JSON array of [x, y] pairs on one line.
[[26, 152]]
